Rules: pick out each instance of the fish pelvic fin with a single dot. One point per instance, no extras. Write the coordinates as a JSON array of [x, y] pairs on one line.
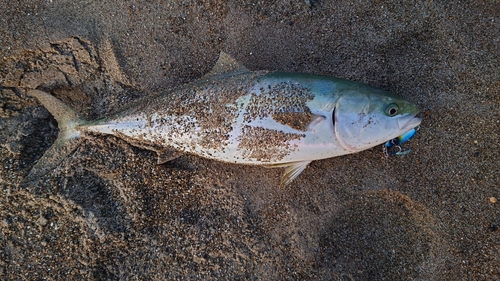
[[67, 140], [292, 170]]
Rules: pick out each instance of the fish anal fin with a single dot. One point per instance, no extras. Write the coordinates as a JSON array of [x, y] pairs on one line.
[[292, 170], [163, 153], [167, 154], [225, 65]]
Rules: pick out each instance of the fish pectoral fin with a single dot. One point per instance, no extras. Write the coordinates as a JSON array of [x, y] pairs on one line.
[[292, 170], [316, 119], [225, 65], [167, 154]]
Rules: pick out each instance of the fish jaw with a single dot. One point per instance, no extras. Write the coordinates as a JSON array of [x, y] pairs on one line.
[[409, 123]]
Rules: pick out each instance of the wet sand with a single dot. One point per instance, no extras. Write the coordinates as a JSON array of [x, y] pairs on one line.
[[110, 212]]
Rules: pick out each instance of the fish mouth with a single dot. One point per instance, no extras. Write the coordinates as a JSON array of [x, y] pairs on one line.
[[409, 122]]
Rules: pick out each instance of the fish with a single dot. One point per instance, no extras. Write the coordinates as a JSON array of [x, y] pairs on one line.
[[231, 114]]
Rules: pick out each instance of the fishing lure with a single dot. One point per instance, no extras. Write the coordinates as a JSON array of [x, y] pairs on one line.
[[395, 143]]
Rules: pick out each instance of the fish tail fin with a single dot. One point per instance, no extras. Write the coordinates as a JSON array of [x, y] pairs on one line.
[[67, 140]]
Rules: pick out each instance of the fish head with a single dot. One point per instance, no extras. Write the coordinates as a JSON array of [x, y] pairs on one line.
[[366, 117]]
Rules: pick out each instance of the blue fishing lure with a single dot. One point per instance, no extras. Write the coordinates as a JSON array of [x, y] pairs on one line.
[[393, 146]]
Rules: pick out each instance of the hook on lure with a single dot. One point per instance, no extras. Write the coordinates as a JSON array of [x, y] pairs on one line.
[[393, 146]]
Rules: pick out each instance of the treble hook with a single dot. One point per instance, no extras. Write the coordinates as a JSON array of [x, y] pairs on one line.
[[395, 143]]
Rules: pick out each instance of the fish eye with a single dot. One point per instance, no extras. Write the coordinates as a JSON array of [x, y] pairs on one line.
[[392, 109]]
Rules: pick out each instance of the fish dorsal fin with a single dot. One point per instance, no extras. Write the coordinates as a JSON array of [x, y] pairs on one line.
[[225, 65]]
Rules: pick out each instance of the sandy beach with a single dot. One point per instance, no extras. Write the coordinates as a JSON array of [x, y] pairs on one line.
[[110, 212]]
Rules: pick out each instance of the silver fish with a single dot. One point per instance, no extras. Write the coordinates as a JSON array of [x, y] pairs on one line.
[[275, 119]]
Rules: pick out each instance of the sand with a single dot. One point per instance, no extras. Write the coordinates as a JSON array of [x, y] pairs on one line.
[[110, 212]]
